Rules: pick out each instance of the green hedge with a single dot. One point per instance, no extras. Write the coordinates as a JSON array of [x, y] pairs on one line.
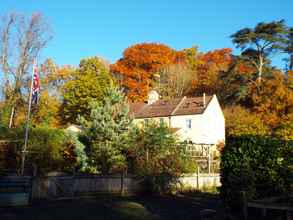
[[259, 166]]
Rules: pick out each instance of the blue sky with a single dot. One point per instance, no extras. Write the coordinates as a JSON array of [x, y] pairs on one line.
[[105, 28]]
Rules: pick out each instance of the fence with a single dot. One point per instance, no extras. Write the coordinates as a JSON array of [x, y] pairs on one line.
[[53, 187], [72, 186]]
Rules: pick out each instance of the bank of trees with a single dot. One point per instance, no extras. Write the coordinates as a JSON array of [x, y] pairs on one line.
[[256, 97]]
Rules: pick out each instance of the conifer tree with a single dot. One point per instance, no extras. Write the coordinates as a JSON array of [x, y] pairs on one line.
[[107, 132]]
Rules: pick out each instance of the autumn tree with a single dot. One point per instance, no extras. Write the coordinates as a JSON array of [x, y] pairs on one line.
[[211, 64], [234, 83], [175, 80], [21, 41], [89, 83], [240, 122], [54, 77], [260, 41], [273, 100], [138, 67]]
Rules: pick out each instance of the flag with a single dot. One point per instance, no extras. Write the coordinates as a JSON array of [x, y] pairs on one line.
[[36, 86]]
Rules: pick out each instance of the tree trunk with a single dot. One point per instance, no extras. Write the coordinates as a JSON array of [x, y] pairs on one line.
[[291, 62], [11, 117], [260, 67]]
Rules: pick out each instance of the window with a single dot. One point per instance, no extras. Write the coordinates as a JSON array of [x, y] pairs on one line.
[[146, 121], [188, 123], [161, 121]]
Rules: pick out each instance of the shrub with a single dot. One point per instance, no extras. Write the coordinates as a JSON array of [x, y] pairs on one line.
[[255, 165], [158, 156], [49, 149]]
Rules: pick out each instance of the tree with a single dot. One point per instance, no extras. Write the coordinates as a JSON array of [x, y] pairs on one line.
[[89, 83], [175, 80], [288, 48], [21, 40], [234, 83], [240, 121], [137, 68], [53, 77], [272, 100], [107, 132], [158, 156], [211, 64], [261, 41]]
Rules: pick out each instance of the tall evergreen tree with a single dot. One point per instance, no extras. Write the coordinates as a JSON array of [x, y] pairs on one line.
[[259, 42], [107, 132]]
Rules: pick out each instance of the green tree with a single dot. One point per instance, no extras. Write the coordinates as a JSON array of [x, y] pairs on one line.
[[107, 132], [88, 83], [289, 48], [259, 42]]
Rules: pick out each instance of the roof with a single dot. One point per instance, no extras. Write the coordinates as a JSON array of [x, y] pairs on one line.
[[172, 107]]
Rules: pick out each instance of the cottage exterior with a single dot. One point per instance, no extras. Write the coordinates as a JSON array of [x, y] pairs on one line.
[[199, 120]]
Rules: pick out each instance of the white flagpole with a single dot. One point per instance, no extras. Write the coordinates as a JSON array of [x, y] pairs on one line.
[[27, 121]]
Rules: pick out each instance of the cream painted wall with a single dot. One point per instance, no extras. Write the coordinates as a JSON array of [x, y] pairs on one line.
[[207, 128]]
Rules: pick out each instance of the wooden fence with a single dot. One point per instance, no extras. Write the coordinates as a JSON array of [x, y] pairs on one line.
[[55, 187]]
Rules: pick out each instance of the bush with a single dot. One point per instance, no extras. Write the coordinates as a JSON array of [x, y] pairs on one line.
[[158, 157], [255, 165], [49, 149]]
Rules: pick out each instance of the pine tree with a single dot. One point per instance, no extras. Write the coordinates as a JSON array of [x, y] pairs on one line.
[[107, 132]]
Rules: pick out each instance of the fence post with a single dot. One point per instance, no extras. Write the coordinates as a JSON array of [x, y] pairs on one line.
[[209, 161], [197, 178], [244, 208], [122, 184]]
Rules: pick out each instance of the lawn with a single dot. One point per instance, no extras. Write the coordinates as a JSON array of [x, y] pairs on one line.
[[120, 208]]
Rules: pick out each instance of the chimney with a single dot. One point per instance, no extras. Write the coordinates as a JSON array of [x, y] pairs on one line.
[[153, 96], [204, 100]]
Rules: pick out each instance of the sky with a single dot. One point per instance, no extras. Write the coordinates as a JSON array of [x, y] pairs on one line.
[[105, 28]]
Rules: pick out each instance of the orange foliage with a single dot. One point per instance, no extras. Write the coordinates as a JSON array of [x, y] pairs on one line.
[[244, 68], [210, 65], [272, 99], [135, 70]]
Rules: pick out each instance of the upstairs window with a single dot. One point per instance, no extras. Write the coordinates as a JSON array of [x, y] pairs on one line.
[[188, 123]]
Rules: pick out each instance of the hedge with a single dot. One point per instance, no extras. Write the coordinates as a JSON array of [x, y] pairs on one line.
[[259, 166]]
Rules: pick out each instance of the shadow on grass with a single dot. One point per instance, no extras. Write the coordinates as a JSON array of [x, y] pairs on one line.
[[112, 207]]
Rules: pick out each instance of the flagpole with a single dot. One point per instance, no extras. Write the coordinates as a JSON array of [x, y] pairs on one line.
[[27, 121]]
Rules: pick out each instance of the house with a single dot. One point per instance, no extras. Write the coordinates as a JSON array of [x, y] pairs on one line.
[[197, 120]]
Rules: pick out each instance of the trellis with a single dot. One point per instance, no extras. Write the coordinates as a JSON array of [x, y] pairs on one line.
[[202, 154]]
